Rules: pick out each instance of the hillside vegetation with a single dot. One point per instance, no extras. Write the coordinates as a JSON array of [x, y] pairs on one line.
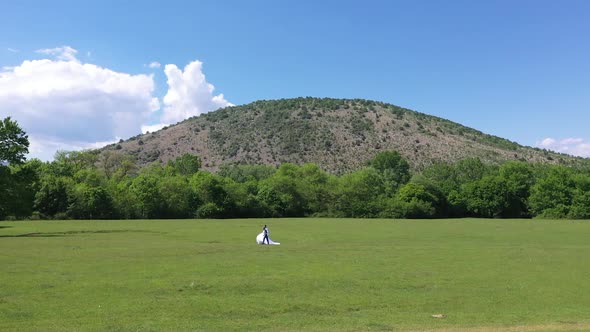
[[116, 185], [340, 135]]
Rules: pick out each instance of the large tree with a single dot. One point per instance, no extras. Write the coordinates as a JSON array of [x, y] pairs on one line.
[[393, 168], [552, 195], [14, 143], [186, 165], [357, 194], [519, 178], [488, 197]]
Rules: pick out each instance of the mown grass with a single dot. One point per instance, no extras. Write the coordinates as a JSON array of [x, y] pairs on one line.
[[328, 274]]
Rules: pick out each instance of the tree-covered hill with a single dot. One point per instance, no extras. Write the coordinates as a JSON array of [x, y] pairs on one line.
[[86, 185], [340, 135]]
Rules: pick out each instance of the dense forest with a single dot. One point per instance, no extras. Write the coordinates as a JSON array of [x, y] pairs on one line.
[[89, 185], [77, 186]]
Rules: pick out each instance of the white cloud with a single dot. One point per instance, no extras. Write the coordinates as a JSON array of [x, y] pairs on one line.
[[64, 53], [154, 64], [189, 93], [152, 128], [572, 141], [44, 148], [65, 104], [13, 50], [573, 146], [546, 142]]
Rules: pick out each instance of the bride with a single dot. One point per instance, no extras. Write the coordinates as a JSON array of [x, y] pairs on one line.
[[260, 238]]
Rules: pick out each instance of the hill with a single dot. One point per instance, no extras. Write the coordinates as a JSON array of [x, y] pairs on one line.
[[340, 135]]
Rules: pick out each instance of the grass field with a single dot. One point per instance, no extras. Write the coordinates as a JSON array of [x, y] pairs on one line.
[[328, 274]]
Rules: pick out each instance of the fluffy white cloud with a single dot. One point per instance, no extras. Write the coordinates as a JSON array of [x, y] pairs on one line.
[[65, 104], [152, 128], [64, 53], [573, 146], [154, 64], [189, 93], [45, 147]]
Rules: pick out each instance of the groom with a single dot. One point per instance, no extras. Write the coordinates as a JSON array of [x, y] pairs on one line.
[[265, 231]]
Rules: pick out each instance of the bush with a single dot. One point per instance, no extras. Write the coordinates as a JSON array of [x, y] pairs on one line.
[[579, 212], [558, 212], [414, 209], [36, 215], [61, 216], [209, 210]]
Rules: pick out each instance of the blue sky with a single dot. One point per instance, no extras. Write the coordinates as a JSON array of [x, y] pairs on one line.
[[516, 69]]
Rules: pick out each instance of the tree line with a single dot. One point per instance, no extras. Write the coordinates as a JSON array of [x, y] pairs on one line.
[[88, 185]]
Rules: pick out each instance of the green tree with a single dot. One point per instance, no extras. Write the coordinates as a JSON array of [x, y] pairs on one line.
[[443, 176], [413, 200], [279, 195], [67, 163], [488, 197], [23, 184], [145, 188], [6, 186], [470, 170], [210, 189], [90, 202], [244, 173], [358, 194], [116, 164], [414, 209], [90, 176], [457, 205], [52, 198], [316, 188], [126, 203], [14, 143], [552, 195], [519, 179], [580, 208], [186, 164], [244, 195], [394, 170], [179, 199]]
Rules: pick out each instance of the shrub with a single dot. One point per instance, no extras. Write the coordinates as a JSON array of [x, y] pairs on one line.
[[209, 210]]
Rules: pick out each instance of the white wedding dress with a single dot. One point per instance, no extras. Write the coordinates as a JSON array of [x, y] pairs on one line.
[[260, 237]]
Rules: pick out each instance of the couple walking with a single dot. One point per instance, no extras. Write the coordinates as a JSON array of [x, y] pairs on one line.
[[264, 238]]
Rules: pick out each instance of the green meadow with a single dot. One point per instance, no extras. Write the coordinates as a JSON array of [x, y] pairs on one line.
[[327, 275]]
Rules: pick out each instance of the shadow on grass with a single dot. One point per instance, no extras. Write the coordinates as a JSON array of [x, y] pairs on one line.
[[60, 234], [32, 235], [5, 227]]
